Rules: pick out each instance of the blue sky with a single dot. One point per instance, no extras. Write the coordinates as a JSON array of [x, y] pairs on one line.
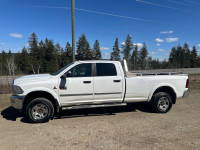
[[161, 24]]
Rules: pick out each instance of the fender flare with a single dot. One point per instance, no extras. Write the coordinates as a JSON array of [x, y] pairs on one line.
[[158, 86], [49, 91]]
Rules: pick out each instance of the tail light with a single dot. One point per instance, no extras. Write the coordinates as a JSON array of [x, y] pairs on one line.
[[187, 83]]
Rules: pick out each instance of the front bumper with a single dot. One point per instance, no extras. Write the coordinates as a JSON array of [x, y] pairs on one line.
[[17, 102], [186, 93]]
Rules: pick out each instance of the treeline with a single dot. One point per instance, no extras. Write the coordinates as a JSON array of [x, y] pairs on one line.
[[47, 57], [138, 59]]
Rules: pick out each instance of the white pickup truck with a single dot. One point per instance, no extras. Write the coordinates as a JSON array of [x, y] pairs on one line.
[[90, 84]]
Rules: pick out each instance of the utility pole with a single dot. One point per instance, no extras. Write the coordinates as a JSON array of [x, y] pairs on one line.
[[73, 31]]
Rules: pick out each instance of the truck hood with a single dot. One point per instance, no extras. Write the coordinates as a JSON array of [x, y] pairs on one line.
[[31, 78]]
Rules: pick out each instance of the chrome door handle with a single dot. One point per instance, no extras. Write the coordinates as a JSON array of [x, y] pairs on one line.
[[86, 82], [117, 81]]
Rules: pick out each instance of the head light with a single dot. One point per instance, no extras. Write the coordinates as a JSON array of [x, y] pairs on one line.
[[17, 89]]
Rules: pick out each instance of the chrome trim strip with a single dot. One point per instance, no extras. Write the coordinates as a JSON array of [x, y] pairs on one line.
[[86, 94], [107, 93]]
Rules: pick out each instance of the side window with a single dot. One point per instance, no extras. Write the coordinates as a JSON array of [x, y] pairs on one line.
[[82, 70], [106, 69]]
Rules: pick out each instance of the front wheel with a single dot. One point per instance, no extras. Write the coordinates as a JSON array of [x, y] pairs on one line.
[[39, 110], [161, 102]]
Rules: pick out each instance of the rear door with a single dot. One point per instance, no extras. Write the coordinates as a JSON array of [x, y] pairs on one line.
[[108, 84]]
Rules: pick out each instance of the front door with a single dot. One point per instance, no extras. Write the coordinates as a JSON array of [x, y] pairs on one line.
[[77, 87]]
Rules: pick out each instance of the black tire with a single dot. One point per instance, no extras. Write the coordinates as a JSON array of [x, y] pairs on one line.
[[39, 110], [161, 102]]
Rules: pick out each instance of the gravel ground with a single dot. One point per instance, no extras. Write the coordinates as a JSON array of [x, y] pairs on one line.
[[131, 127]]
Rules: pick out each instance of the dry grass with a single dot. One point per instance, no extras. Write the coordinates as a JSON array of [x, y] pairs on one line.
[[5, 89], [4, 101], [194, 83]]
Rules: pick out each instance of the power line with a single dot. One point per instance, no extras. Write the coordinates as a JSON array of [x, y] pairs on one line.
[[192, 2], [104, 13], [159, 5], [180, 3], [115, 15]]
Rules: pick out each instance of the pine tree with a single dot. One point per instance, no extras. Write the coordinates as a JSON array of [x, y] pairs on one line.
[[83, 49], [50, 57], [58, 49], [96, 51], [17, 62], [115, 55], [127, 47], [143, 57], [135, 58], [69, 53], [23, 61], [3, 63], [41, 51], [194, 58], [180, 56], [35, 59], [9, 54], [173, 58], [186, 50]]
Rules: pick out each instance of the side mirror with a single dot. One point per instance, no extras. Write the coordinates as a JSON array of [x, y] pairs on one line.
[[69, 74], [64, 76]]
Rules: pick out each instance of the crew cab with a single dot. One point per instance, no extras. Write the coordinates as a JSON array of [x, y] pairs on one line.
[[90, 84]]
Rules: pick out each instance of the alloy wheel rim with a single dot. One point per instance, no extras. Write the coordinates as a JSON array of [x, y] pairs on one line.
[[39, 111], [163, 103]]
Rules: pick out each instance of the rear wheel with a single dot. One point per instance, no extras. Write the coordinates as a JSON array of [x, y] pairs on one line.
[[39, 110], [161, 102]]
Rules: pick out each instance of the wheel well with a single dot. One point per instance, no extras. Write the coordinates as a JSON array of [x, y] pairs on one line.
[[168, 90], [36, 94]]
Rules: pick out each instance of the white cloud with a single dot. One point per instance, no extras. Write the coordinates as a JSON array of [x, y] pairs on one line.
[[139, 45], [123, 43], [167, 32], [105, 48], [170, 40], [198, 45], [158, 44], [153, 53], [161, 50], [159, 40], [16, 35], [2, 44]]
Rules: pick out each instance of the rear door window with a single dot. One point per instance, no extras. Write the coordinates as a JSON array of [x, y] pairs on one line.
[[105, 69]]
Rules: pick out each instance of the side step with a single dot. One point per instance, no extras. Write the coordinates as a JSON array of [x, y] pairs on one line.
[[93, 106]]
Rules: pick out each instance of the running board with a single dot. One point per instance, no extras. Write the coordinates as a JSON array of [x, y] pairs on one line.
[[92, 106]]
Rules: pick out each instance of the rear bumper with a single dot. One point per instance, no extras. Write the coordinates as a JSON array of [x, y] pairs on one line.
[[186, 93], [17, 102]]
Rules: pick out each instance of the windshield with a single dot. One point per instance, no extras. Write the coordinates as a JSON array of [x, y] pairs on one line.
[[59, 71]]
